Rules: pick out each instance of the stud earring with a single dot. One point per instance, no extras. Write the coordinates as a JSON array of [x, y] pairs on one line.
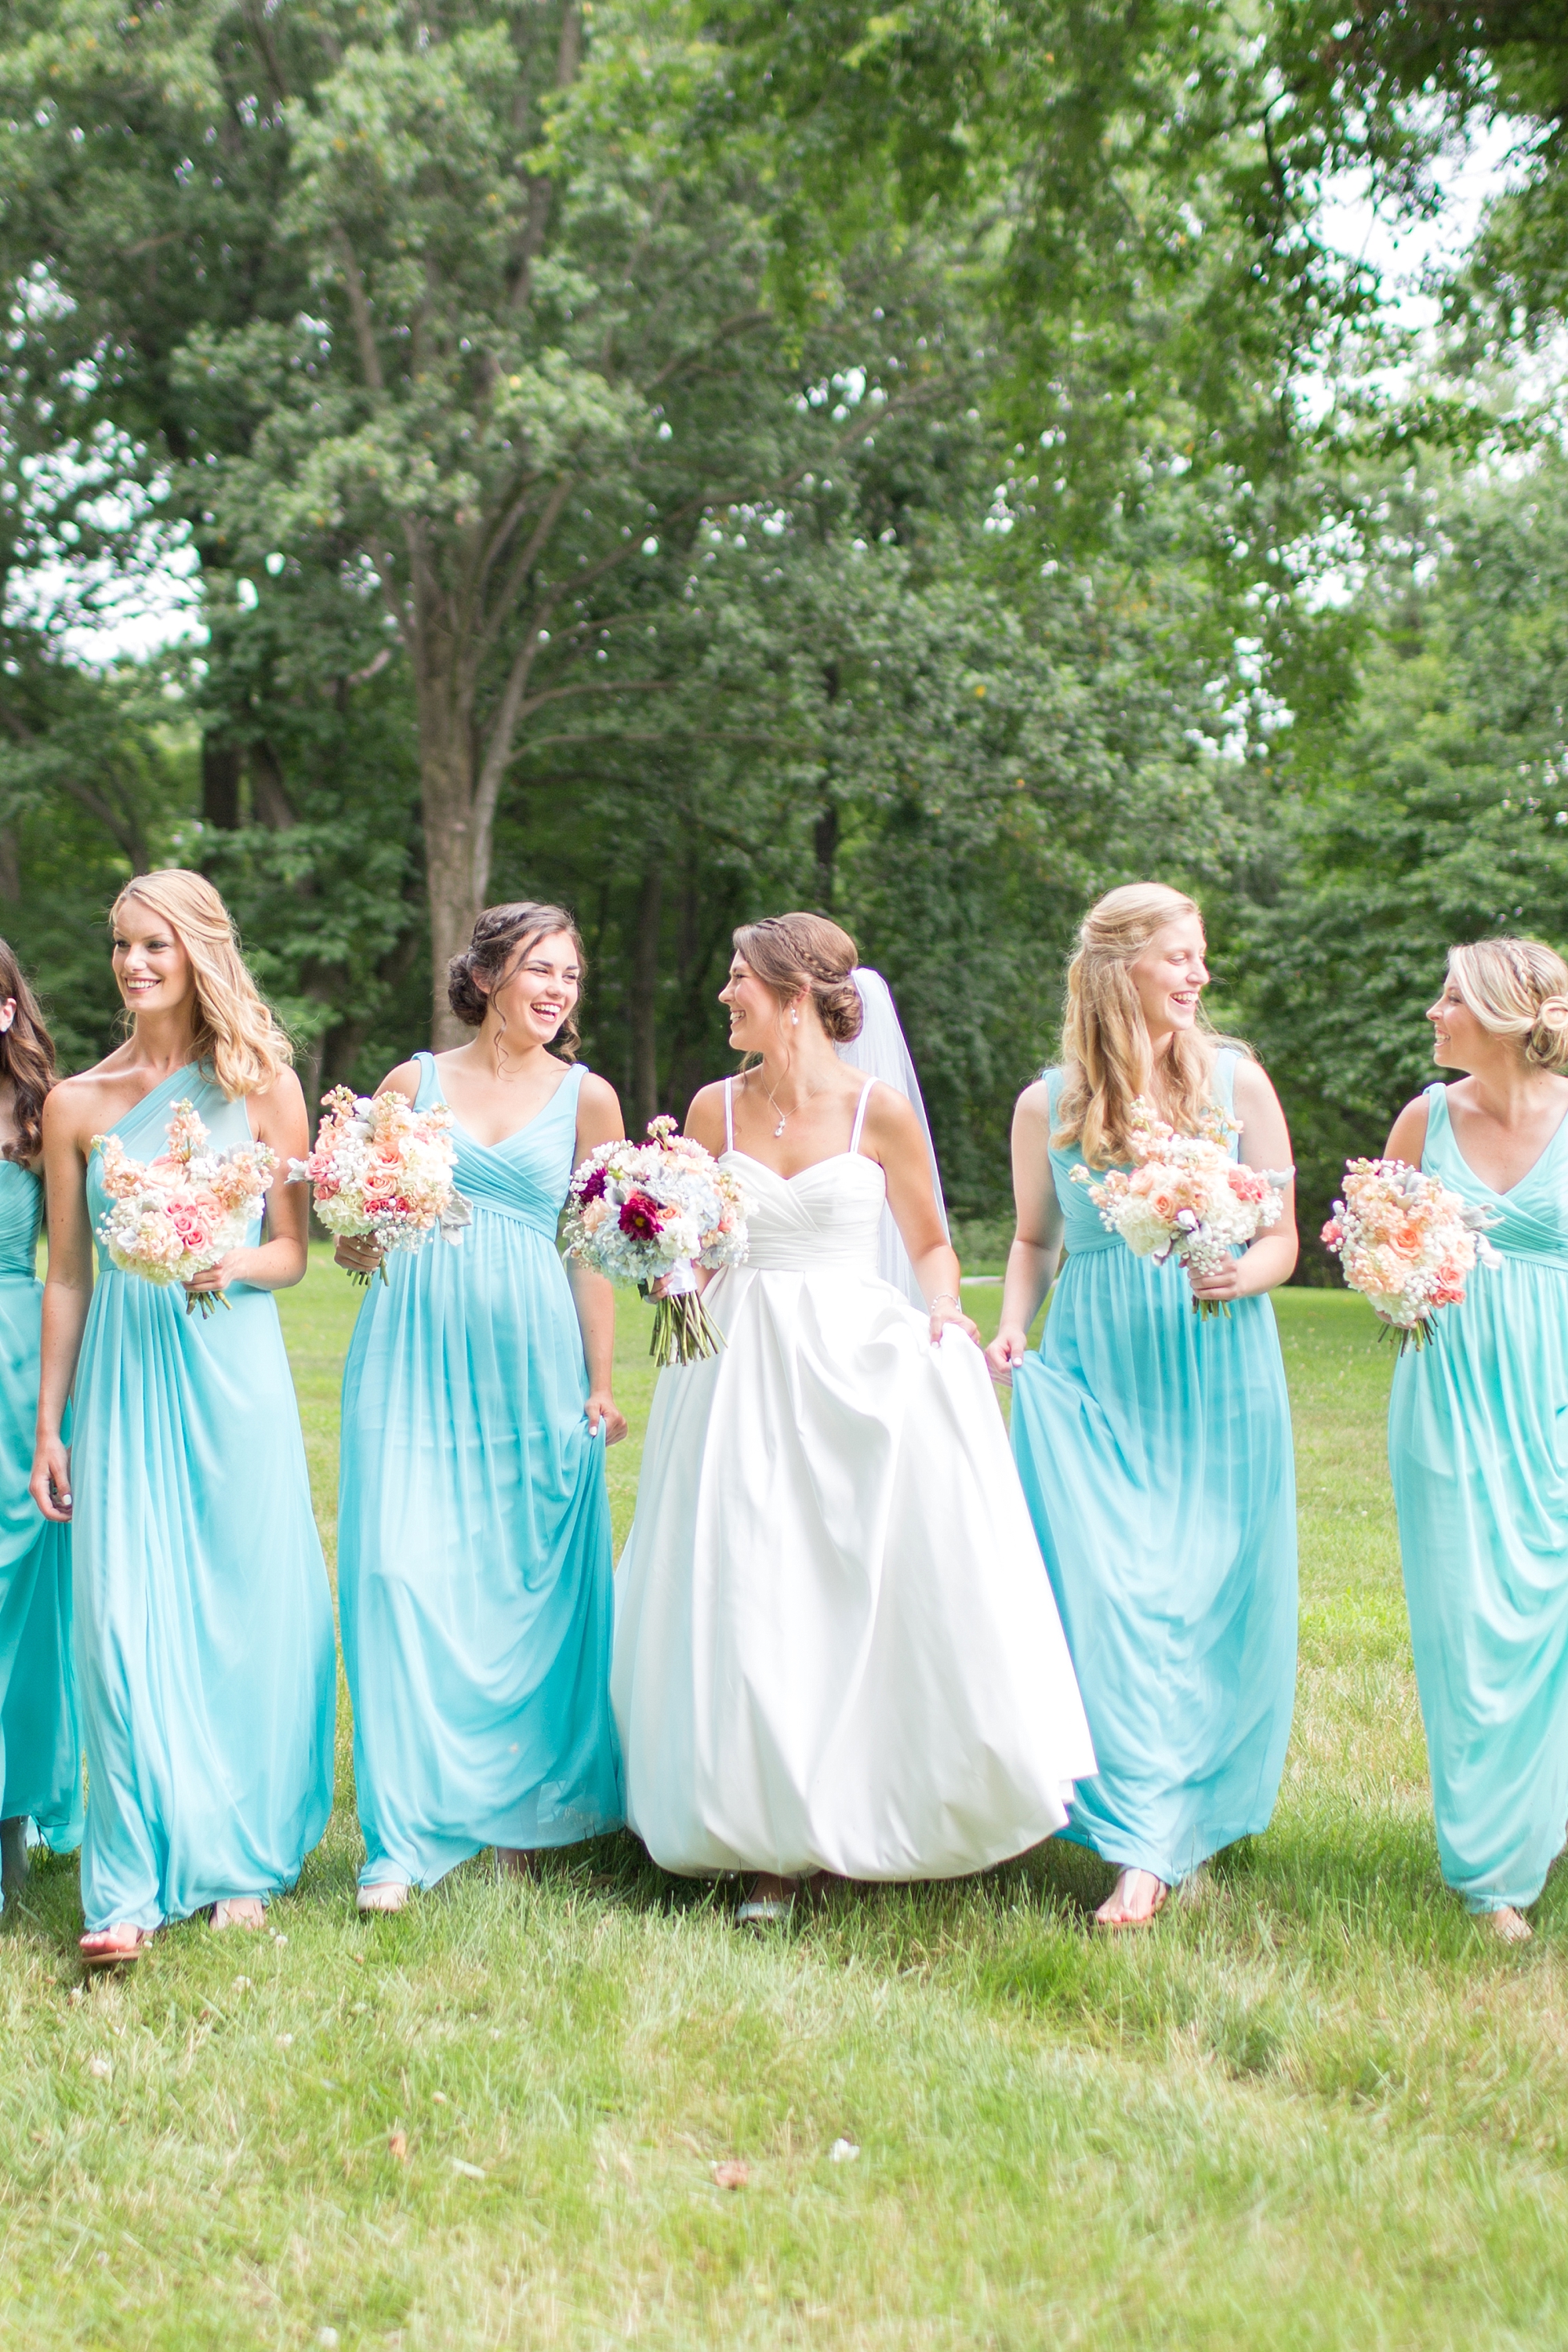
[[796, 1018]]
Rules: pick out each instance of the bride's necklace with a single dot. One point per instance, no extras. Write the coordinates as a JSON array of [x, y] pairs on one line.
[[782, 1114]]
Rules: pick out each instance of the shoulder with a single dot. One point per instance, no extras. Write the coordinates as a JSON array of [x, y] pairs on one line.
[[285, 1094], [404, 1080], [1407, 1137], [1252, 1088], [705, 1115], [595, 1093], [78, 1106], [1033, 1107], [891, 1117]]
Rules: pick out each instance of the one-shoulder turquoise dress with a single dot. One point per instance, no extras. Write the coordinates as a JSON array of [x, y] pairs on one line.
[[1478, 1446], [205, 1665], [40, 1747], [474, 1560], [1155, 1451]]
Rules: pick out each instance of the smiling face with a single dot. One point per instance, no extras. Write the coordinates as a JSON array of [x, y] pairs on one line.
[[539, 988], [757, 1020], [1170, 976], [1459, 1041], [149, 961]]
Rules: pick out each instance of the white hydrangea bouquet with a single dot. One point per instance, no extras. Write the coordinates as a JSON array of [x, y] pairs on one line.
[[380, 1167], [1183, 1196], [641, 1212], [176, 1215], [1406, 1242]]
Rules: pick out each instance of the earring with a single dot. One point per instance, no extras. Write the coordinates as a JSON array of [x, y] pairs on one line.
[[796, 1018]]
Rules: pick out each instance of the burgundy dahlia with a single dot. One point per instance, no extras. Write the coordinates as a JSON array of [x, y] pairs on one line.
[[641, 1216], [591, 1187]]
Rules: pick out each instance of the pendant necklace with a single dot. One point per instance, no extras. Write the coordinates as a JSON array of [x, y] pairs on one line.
[[771, 1098]]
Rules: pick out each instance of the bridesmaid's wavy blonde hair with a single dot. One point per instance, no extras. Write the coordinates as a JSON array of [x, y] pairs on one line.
[[1106, 1058], [235, 1033], [1516, 988]]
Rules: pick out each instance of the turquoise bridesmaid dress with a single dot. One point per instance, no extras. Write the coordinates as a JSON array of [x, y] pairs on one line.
[[1478, 1446], [1155, 1452], [204, 1619], [474, 1560], [40, 1749]]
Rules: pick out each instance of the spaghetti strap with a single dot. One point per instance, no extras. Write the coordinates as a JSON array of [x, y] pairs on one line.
[[729, 1115], [859, 1118]]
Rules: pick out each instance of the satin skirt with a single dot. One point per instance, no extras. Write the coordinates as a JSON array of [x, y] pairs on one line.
[[206, 1663], [1155, 1451], [1478, 1446], [835, 1647], [40, 1744], [474, 1560]]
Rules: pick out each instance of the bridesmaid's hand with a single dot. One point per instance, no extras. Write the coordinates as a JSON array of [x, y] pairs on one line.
[[1010, 1346], [1221, 1281], [230, 1267], [50, 1484], [704, 1275], [945, 1311], [602, 1407], [359, 1253]]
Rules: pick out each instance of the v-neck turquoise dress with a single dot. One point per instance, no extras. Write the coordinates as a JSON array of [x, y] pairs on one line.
[[1155, 1451], [1478, 1446], [205, 1665], [40, 1747], [474, 1559]]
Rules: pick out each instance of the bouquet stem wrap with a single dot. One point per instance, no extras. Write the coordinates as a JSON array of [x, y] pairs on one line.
[[652, 1213]]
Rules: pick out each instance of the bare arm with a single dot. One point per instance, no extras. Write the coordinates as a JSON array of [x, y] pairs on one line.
[[1408, 1136], [893, 1133], [1265, 1143], [598, 1121], [279, 1260], [1037, 1232], [68, 1293]]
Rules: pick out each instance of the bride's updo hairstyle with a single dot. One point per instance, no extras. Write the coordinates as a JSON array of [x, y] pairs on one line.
[[789, 952], [503, 938], [235, 1034], [1106, 1059], [1516, 988]]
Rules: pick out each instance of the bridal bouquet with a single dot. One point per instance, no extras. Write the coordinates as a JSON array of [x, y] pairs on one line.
[[178, 1214], [1184, 1197], [637, 1212], [380, 1167], [1406, 1242]]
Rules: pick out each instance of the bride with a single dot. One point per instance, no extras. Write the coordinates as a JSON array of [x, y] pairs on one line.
[[836, 1645]]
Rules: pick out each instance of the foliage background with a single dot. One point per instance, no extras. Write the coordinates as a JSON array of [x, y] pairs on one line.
[[936, 469]]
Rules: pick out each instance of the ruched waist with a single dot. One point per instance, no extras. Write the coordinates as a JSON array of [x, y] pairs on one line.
[[812, 1256], [1083, 1245], [544, 1220]]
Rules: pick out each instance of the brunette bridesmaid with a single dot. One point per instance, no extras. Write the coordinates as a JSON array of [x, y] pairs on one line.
[[1475, 1434], [204, 1626], [474, 1560], [40, 1751]]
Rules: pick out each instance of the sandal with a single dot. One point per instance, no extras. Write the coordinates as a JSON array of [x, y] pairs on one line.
[[1147, 1919], [227, 1914], [114, 1956], [386, 1896]]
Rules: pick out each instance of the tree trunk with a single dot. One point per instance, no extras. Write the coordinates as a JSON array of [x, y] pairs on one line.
[[644, 1005], [220, 784]]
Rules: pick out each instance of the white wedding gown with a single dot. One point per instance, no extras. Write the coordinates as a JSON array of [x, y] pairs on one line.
[[836, 1645]]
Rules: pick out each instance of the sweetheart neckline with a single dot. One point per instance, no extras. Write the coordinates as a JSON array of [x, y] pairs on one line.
[[733, 1152]]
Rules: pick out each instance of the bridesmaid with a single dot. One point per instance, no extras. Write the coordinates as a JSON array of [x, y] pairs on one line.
[[1155, 1447], [204, 1626], [40, 1751], [474, 1560], [1475, 1434]]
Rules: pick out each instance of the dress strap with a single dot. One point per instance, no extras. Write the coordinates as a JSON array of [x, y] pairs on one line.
[[859, 1117], [729, 1115]]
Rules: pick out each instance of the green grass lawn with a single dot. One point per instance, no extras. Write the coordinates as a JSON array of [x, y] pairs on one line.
[[1314, 2108]]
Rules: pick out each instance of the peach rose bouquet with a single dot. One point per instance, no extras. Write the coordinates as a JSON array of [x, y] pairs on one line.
[[175, 1215], [1185, 1196], [379, 1166], [1406, 1243]]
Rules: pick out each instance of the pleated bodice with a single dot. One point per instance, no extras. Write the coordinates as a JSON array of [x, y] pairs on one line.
[[525, 1176], [1528, 1221], [825, 1219], [21, 1211]]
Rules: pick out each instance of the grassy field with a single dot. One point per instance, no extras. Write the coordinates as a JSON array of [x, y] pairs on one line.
[[1314, 2108]]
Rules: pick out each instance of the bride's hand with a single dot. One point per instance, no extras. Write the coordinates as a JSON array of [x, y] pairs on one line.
[[946, 1309]]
